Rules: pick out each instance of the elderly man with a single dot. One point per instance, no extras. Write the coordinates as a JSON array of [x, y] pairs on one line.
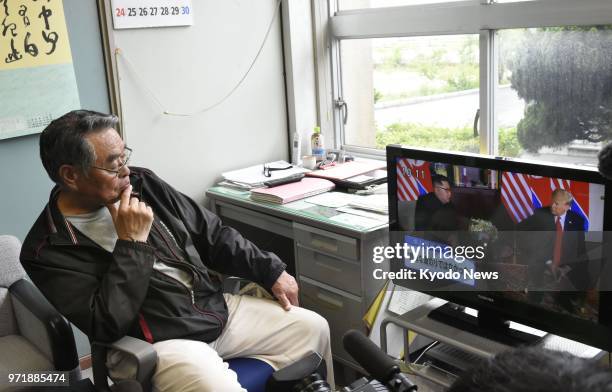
[[120, 252], [552, 244], [556, 237]]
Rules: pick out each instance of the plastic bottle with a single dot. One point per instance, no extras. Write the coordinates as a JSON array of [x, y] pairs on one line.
[[296, 150], [316, 143]]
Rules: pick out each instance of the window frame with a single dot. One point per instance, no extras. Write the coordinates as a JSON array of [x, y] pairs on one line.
[[484, 17]]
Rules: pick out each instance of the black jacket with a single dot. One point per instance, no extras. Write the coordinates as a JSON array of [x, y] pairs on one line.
[[542, 231], [536, 240], [432, 215], [109, 295]]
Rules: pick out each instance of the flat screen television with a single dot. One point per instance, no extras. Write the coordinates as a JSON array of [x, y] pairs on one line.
[[525, 265]]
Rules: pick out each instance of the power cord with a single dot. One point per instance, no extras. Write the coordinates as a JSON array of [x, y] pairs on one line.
[[425, 351]]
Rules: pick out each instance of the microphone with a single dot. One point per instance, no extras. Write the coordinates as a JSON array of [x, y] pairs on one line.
[[376, 362], [605, 161]]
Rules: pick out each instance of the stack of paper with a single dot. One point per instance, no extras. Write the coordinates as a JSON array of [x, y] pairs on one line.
[[293, 191], [253, 177], [348, 169], [377, 203]]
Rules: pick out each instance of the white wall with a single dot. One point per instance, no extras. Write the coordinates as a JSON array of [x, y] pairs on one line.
[[189, 68]]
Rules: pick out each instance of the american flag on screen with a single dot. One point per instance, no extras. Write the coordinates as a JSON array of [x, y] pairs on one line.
[[516, 195], [413, 179], [522, 194]]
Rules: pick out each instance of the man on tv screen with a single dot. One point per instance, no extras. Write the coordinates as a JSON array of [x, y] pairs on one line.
[[562, 252], [435, 210]]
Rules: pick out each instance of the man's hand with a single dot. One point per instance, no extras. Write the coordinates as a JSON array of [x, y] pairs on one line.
[[133, 218], [285, 289]]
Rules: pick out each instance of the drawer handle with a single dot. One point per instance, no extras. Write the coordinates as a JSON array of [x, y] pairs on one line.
[[319, 264], [324, 245]]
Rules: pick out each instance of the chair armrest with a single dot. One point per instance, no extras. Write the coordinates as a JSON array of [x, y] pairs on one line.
[[240, 286], [142, 352], [232, 284], [43, 326]]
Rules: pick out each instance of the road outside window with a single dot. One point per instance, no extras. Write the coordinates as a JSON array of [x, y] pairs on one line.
[[419, 91]]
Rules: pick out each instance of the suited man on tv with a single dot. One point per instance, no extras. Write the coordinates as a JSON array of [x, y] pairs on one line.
[[435, 210], [558, 247]]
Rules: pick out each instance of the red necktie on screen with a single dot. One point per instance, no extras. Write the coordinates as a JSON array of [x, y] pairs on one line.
[[558, 243]]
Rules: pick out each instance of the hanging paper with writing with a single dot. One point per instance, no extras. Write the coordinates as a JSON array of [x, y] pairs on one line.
[[36, 72]]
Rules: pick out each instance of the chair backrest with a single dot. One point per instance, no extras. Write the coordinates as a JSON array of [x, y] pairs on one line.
[[10, 272], [10, 267], [405, 212]]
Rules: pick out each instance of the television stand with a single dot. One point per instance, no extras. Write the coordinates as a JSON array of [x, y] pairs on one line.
[[486, 325], [465, 342], [418, 321]]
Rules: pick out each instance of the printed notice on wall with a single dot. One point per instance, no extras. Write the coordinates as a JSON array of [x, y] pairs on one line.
[[36, 72], [133, 14]]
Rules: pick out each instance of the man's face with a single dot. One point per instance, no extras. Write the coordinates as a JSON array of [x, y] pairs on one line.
[[102, 187], [443, 192], [559, 206]]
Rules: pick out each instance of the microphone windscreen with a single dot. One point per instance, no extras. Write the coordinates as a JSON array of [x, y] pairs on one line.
[[605, 161], [369, 356]]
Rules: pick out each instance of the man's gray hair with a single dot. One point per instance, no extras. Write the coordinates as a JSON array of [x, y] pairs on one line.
[[562, 193], [63, 141]]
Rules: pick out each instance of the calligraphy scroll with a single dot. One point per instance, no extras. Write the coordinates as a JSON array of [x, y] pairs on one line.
[[37, 78]]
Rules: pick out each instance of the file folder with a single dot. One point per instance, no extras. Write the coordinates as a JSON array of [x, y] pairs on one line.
[[294, 191]]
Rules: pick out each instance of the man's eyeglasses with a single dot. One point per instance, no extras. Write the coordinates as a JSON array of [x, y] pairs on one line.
[[121, 162], [267, 169]]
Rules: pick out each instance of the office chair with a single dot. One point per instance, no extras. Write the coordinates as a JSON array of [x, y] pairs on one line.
[[33, 334], [252, 373], [405, 213]]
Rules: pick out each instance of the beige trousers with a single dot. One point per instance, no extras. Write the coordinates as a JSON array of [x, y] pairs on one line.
[[257, 328]]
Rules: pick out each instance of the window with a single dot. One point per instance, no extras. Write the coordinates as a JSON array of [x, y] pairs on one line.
[[357, 4], [553, 96], [509, 78], [424, 91]]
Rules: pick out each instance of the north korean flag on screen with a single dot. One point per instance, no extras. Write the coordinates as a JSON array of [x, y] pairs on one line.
[[413, 179]]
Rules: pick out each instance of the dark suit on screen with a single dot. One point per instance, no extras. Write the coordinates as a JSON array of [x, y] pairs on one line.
[[538, 241], [432, 214]]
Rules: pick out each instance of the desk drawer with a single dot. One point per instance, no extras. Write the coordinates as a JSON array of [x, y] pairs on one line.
[[255, 219], [342, 274], [342, 311], [326, 242]]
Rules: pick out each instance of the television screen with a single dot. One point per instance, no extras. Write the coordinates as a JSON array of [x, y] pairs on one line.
[[522, 240]]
